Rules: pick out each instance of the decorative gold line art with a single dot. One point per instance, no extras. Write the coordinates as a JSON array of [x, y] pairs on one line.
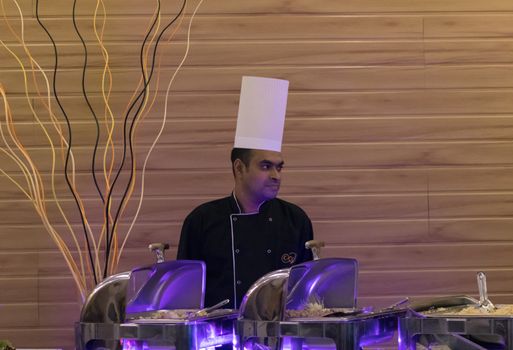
[[111, 238], [114, 262], [38, 190], [70, 180], [161, 130], [144, 115], [84, 253], [33, 62]]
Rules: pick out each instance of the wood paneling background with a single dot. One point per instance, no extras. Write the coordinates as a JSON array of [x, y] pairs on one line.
[[398, 140]]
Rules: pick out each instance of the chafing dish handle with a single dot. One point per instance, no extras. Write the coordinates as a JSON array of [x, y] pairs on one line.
[[158, 249]]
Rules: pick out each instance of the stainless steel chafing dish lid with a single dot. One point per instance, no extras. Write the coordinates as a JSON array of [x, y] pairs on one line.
[[264, 301], [106, 303], [167, 285], [330, 281]]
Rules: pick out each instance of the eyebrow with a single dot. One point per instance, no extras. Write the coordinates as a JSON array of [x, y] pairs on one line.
[[267, 161]]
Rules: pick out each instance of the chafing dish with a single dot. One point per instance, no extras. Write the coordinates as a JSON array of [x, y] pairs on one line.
[[457, 323], [158, 306], [311, 305]]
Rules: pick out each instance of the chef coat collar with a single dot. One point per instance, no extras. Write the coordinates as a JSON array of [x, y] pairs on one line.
[[236, 208]]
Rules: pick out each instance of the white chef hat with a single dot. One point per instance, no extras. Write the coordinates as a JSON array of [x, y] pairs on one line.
[[261, 116]]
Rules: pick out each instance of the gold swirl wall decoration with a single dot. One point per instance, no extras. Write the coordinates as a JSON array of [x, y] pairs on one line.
[[94, 253]]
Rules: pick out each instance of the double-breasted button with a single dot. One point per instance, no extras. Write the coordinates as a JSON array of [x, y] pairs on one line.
[[239, 282], [234, 218], [268, 251], [270, 219], [237, 251]]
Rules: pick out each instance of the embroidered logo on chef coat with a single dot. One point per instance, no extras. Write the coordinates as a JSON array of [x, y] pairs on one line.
[[288, 258]]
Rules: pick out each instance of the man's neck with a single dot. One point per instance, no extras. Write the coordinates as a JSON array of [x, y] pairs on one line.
[[246, 203]]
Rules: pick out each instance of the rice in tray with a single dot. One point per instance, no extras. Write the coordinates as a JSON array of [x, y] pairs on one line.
[[178, 314], [472, 310]]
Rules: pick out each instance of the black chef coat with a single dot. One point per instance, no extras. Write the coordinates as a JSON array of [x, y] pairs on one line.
[[239, 248]]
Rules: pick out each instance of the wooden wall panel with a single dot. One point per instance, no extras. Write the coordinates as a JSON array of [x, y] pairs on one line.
[[227, 79], [464, 229], [406, 283], [132, 7], [154, 209], [410, 102], [468, 76], [469, 26], [452, 51], [320, 130], [328, 182], [13, 295], [397, 284], [350, 207], [380, 257], [229, 28], [318, 155], [332, 181], [42, 336], [19, 315], [398, 140], [260, 53], [348, 231], [58, 314], [470, 205], [371, 283], [435, 256], [14, 264], [400, 231], [325, 79]]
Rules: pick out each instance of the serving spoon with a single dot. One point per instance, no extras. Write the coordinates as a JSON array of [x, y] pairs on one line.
[[484, 302]]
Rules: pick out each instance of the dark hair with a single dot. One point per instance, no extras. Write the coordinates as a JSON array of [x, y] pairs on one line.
[[244, 154]]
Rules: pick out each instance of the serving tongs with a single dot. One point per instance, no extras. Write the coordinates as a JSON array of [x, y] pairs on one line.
[[183, 315], [484, 303], [204, 312], [455, 305]]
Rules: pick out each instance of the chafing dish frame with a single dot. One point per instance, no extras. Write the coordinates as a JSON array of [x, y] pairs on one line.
[[346, 333], [465, 332], [291, 288], [106, 317], [180, 334]]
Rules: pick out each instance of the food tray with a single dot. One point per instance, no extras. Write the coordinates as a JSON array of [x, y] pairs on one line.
[[345, 333], [455, 323]]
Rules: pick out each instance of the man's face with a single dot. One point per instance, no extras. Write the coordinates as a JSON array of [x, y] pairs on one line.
[[261, 178]]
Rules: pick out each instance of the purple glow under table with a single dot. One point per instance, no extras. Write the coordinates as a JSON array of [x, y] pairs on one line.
[[201, 333], [341, 333]]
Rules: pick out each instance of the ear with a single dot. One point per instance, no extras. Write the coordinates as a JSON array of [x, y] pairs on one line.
[[238, 166]]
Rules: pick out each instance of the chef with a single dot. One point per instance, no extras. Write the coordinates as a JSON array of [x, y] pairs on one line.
[[250, 232]]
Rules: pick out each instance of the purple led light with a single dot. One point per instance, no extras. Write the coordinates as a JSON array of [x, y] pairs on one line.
[[216, 337], [216, 341], [286, 343], [203, 336], [292, 343], [128, 344], [235, 341]]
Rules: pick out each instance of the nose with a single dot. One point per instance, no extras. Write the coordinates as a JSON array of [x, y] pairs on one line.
[[275, 174]]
